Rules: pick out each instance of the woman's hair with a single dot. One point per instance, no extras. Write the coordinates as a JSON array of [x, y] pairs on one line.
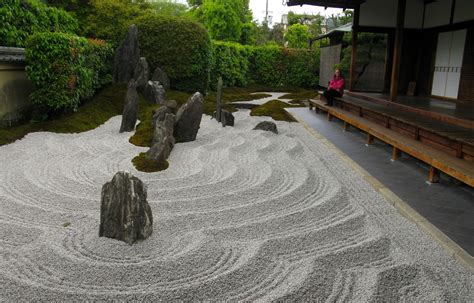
[[340, 73]]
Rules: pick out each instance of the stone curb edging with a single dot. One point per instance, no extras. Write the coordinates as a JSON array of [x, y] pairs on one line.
[[451, 247]]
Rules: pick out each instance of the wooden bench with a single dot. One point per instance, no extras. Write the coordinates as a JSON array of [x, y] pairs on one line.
[[453, 139], [439, 161]]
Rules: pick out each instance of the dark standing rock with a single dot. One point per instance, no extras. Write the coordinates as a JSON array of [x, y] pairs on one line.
[[160, 151], [164, 130], [227, 118], [188, 119], [160, 76], [127, 56], [160, 114], [141, 74], [267, 126], [130, 109], [154, 92], [124, 212]]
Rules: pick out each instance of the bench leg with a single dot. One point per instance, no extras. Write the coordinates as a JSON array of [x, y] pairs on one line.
[[317, 110], [433, 176], [395, 154], [310, 106], [370, 139], [346, 126], [329, 116]]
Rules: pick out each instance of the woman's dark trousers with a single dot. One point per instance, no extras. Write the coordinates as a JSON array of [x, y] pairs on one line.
[[330, 94]]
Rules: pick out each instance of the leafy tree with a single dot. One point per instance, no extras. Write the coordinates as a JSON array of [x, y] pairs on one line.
[[109, 19], [169, 8], [221, 20], [228, 20], [297, 36]]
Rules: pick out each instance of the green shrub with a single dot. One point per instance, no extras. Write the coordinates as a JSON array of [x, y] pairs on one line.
[[277, 66], [181, 47], [21, 18], [231, 61], [66, 69]]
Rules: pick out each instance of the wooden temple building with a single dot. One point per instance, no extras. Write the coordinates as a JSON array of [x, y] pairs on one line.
[[426, 106]]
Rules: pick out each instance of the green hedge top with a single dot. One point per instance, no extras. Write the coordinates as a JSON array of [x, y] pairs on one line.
[[21, 18], [66, 69], [179, 46]]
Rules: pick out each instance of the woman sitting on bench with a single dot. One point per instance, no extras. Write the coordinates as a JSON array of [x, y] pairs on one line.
[[335, 88]]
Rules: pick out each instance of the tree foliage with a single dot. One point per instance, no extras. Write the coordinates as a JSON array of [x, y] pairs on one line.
[[66, 69], [297, 36], [21, 18], [226, 20], [179, 46]]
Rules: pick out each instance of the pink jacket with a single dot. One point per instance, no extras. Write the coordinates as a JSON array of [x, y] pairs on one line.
[[337, 84]]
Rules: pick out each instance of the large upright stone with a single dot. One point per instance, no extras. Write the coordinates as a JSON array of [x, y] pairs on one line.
[[188, 119], [164, 130], [130, 108], [124, 212], [159, 115], [127, 56], [160, 76], [141, 74], [154, 92]]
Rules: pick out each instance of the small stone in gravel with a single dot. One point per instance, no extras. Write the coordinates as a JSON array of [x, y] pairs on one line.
[[267, 126]]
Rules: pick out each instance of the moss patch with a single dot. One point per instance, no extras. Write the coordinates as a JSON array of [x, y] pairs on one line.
[[103, 106], [301, 95], [142, 163], [274, 109]]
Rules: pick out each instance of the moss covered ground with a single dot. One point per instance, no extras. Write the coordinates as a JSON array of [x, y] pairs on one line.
[[274, 109]]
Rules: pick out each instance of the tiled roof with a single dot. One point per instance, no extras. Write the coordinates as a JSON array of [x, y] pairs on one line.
[[9, 54]]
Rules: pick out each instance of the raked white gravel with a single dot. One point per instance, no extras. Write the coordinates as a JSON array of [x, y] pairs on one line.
[[239, 215]]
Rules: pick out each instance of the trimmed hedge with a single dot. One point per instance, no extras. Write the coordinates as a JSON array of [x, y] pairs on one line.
[[269, 65], [231, 61], [180, 47], [21, 18], [66, 69]]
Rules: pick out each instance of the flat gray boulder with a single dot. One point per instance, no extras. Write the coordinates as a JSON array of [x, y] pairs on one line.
[[267, 126], [130, 108], [124, 212], [127, 56], [141, 74], [154, 92], [188, 119], [160, 76]]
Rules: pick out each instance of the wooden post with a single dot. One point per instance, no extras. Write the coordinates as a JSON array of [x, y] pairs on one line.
[[433, 177], [395, 153], [355, 31], [397, 49], [346, 126], [329, 116], [370, 139]]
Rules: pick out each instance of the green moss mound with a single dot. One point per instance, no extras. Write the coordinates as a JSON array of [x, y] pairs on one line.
[[274, 109], [142, 163], [180, 47], [106, 104]]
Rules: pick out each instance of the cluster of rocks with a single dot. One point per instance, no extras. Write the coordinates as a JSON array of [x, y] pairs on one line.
[[170, 128], [130, 68]]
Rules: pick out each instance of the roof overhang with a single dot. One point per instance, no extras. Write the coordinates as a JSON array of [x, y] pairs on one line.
[[327, 3]]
